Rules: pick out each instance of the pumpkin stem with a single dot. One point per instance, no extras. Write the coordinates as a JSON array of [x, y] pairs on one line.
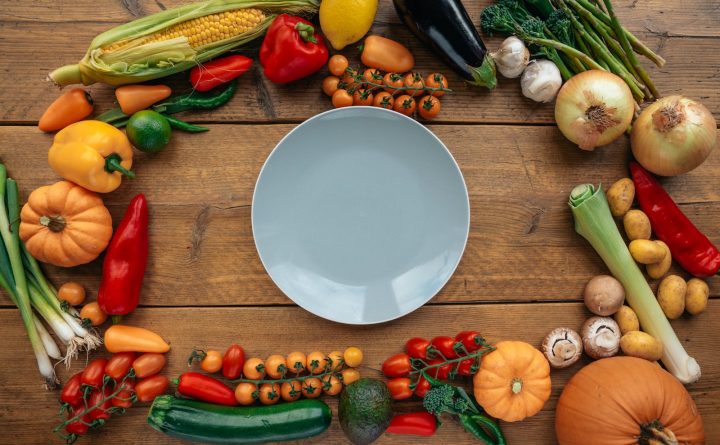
[[516, 385], [654, 433], [54, 223]]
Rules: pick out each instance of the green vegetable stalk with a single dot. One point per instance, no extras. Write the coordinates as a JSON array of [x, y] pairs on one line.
[[595, 223]]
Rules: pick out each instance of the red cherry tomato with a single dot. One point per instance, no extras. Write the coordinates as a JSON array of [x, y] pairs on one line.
[[445, 345], [233, 361], [119, 365], [471, 340], [441, 372], [77, 427], [151, 387], [397, 366], [148, 364], [400, 388], [101, 411], [467, 367], [417, 347], [72, 393], [422, 387], [124, 398], [94, 373]]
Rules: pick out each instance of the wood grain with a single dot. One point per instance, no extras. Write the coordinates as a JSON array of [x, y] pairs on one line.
[[200, 192], [691, 70], [264, 331]]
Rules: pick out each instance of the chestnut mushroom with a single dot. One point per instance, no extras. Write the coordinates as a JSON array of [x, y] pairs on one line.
[[562, 347], [601, 337], [604, 295]]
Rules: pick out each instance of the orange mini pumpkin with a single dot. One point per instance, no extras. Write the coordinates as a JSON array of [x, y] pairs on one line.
[[626, 400], [513, 381], [65, 225]]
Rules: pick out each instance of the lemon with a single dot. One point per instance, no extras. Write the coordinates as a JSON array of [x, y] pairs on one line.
[[346, 21]]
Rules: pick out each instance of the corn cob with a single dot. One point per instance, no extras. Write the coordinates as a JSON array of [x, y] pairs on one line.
[[175, 40]]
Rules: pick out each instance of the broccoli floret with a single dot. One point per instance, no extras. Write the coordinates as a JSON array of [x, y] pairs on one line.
[[497, 19], [560, 25], [446, 398]]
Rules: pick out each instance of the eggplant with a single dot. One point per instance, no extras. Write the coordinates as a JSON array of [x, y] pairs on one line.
[[446, 26]]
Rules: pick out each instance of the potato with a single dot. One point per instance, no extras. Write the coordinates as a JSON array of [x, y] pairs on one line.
[[626, 318], [620, 196], [646, 251], [696, 296], [642, 345], [658, 270], [671, 296], [637, 225]]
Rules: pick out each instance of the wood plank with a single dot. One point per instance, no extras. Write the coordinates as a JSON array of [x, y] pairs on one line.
[[286, 329], [200, 192], [691, 68]]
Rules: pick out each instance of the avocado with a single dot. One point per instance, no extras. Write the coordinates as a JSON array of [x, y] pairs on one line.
[[365, 410]]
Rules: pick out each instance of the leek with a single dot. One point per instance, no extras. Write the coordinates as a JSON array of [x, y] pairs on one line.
[[595, 223]]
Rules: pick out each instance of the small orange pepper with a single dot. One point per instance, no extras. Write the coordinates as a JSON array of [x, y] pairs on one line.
[[73, 106], [133, 98], [123, 338]]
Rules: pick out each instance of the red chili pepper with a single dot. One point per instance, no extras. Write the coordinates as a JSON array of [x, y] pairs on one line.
[[399, 388], [94, 373], [125, 261], [124, 398], [471, 340], [397, 366], [72, 393], [688, 245], [423, 386], [445, 345], [212, 74], [441, 372], [291, 49], [413, 424], [233, 361], [417, 347], [119, 365], [101, 412], [205, 388]]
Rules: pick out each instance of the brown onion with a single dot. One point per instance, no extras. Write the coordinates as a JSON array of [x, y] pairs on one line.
[[673, 136], [594, 108]]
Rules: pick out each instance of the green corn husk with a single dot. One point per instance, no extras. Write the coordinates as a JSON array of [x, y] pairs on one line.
[[145, 61]]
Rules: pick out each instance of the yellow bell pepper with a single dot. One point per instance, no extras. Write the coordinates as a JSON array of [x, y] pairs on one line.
[[92, 154]]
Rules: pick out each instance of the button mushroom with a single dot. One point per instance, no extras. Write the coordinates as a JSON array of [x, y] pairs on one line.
[[601, 337], [562, 347], [604, 295]]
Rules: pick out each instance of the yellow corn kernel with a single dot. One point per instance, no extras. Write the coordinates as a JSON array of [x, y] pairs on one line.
[[205, 30]]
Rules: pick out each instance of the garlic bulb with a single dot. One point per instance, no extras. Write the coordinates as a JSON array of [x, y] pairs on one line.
[[541, 81], [511, 58]]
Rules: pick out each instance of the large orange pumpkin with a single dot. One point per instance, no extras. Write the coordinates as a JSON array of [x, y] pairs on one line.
[[65, 225], [626, 401], [513, 381]]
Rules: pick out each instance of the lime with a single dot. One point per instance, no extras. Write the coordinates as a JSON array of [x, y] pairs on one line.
[[148, 131]]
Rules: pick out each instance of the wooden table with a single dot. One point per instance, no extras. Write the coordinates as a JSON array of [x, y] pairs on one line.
[[523, 271]]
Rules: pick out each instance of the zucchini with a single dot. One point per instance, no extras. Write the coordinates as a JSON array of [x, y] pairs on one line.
[[205, 422]]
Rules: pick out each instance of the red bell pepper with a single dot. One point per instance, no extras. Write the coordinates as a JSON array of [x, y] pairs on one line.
[[291, 49], [413, 424], [688, 245], [125, 261], [205, 388], [212, 74]]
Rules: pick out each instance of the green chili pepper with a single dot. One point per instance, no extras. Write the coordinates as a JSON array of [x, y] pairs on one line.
[[184, 126], [197, 101], [472, 427], [492, 426]]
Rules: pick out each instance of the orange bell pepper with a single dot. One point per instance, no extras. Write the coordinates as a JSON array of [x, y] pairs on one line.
[[123, 338], [73, 106], [133, 98]]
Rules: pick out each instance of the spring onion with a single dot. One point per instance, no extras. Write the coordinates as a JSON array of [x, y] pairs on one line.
[[595, 223]]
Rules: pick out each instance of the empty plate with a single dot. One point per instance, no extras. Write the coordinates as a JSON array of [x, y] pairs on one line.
[[360, 215]]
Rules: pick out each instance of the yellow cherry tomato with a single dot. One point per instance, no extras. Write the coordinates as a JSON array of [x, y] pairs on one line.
[[93, 312], [341, 98], [295, 362], [350, 375], [254, 368], [335, 361], [316, 362], [312, 387], [275, 366], [212, 362], [337, 64], [245, 393], [332, 385], [291, 391], [72, 292], [269, 393], [330, 85], [353, 356]]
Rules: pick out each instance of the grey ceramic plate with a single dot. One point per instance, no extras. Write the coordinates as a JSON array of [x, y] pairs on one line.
[[360, 215]]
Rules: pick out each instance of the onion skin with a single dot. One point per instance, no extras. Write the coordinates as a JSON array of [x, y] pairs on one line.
[[673, 136], [590, 90]]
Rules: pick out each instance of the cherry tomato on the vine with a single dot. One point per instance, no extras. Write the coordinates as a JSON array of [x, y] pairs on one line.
[[246, 393], [350, 375], [254, 368], [312, 387], [400, 388], [429, 107], [269, 393], [96, 398], [404, 104], [362, 97], [422, 387], [417, 347], [383, 99], [436, 80], [291, 391], [316, 362], [440, 372], [330, 85], [72, 391], [212, 362], [148, 364], [77, 427], [119, 365], [331, 385], [124, 399], [151, 387], [94, 373], [445, 345], [275, 366], [341, 98], [296, 362], [393, 82], [233, 361], [466, 367], [337, 64], [372, 75], [94, 313], [414, 83], [353, 356], [471, 340], [397, 366]]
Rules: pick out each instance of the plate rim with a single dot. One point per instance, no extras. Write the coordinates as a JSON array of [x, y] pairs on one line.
[[402, 117]]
